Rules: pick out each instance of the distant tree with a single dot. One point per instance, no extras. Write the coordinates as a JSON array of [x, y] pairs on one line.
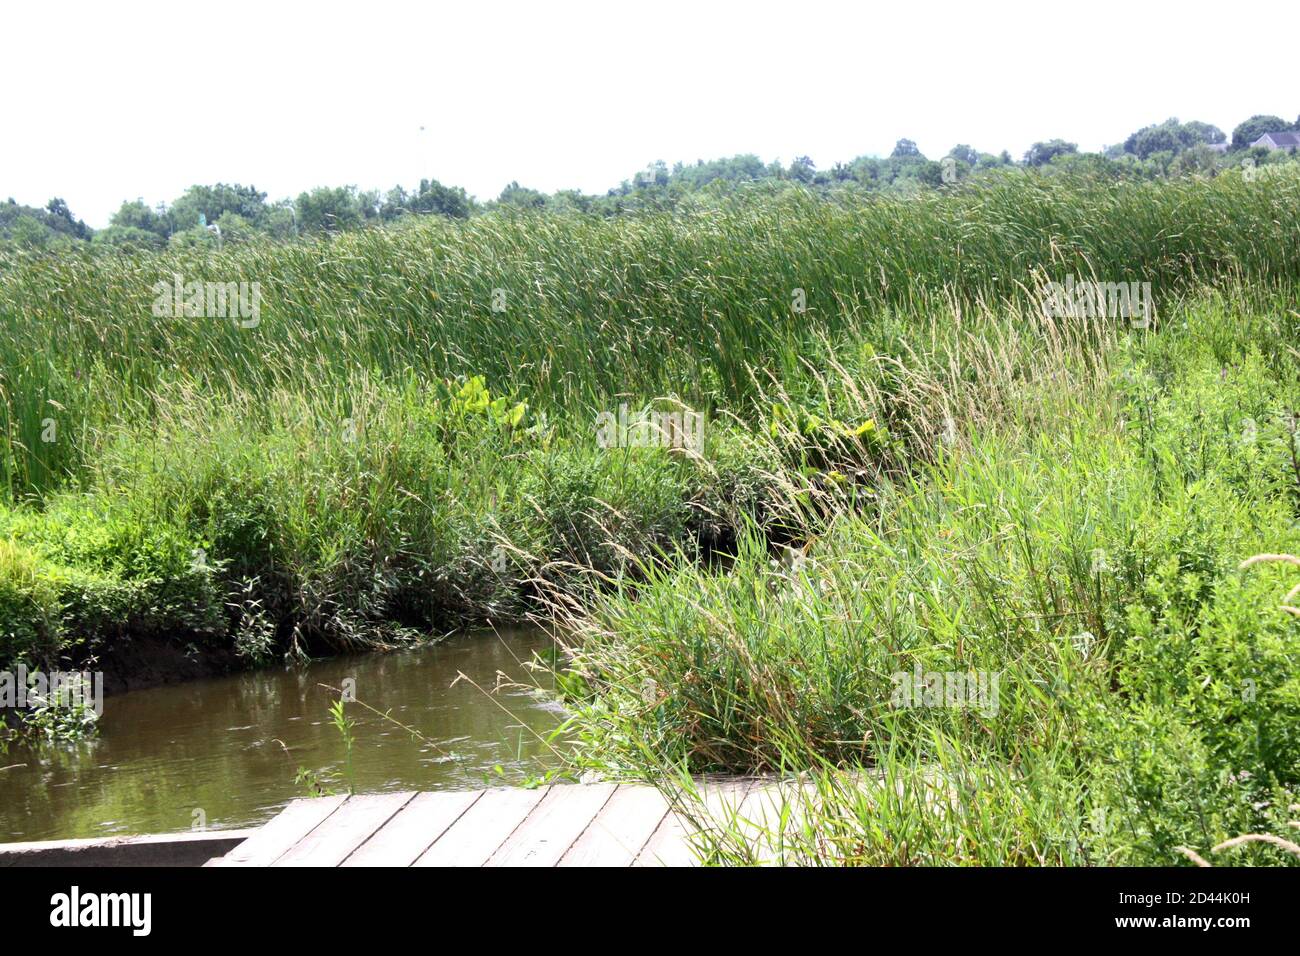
[[281, 220], [1171, 136], [906, 149], [397, 203], [1199, 159], [58, 229], [1255, 127], [128, 237], [1196, 133], [327, 209], [434, 197], [211, 202], [654, 176], [866, 170], [1160, 161], [572, 199], [803, 170], [59, 218], [369, 204], [235, 228], [1088, 164], [1041, 153], [930, 173], [1152, 139], [521, 196], [28, 233], [197, 237], [743, 168], [136, 215], [964, 154]]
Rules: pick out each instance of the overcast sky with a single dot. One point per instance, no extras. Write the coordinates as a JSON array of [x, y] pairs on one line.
[[103, 102]]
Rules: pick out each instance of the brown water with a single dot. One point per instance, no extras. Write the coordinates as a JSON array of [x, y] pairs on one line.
[[210, 751]]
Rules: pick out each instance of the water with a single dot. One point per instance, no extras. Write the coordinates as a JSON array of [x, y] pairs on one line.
[[214, 750]]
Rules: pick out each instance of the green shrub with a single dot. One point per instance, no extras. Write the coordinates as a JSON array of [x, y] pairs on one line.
[[30, 628]]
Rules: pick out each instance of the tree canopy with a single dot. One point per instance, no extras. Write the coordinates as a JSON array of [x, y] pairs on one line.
[[240, 211], [1255, 127]]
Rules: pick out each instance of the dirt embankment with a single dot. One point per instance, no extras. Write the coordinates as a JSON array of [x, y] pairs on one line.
[[149, 662]]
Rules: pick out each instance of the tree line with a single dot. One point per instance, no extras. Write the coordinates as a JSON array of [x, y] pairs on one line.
[[235, 213]]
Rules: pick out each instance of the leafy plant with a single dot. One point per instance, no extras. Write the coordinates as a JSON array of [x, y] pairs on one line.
[[345, 725]]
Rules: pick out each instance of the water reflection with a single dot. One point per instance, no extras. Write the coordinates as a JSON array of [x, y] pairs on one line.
[[227, 750]]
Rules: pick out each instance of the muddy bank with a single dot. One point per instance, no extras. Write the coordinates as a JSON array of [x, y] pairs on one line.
[[144, 662]]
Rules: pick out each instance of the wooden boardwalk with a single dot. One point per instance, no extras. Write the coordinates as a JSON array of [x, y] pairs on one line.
[[601, 824]]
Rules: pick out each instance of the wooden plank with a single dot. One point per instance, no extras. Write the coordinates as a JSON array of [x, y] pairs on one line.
[[330, 843], [577, 825], [280, 834], [761, 816], [413, 829], [557, 822], [720, 812], [618, 833], [676, 840], [482, 828], [669, 845], [724, 798]]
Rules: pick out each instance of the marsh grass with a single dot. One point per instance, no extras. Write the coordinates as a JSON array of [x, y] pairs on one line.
[[916, 471], [694, 304], [1147, 699]]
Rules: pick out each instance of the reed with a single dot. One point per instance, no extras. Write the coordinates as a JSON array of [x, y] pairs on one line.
[[1069, 559], [574, 312], [908, 470]]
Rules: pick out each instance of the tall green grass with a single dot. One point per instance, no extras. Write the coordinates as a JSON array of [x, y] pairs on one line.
[[915, 470], [1082, 540], [693, 304]]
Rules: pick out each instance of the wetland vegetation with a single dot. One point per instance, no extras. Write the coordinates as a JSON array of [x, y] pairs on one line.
[[904, 468]]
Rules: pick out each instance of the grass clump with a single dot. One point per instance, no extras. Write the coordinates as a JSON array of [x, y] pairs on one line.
[[1137, 688], [298, 525]]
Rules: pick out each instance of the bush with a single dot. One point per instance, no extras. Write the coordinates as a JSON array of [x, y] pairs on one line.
[[30, 629]]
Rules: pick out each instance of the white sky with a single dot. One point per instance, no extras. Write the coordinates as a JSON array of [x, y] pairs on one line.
[[101, 102]]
